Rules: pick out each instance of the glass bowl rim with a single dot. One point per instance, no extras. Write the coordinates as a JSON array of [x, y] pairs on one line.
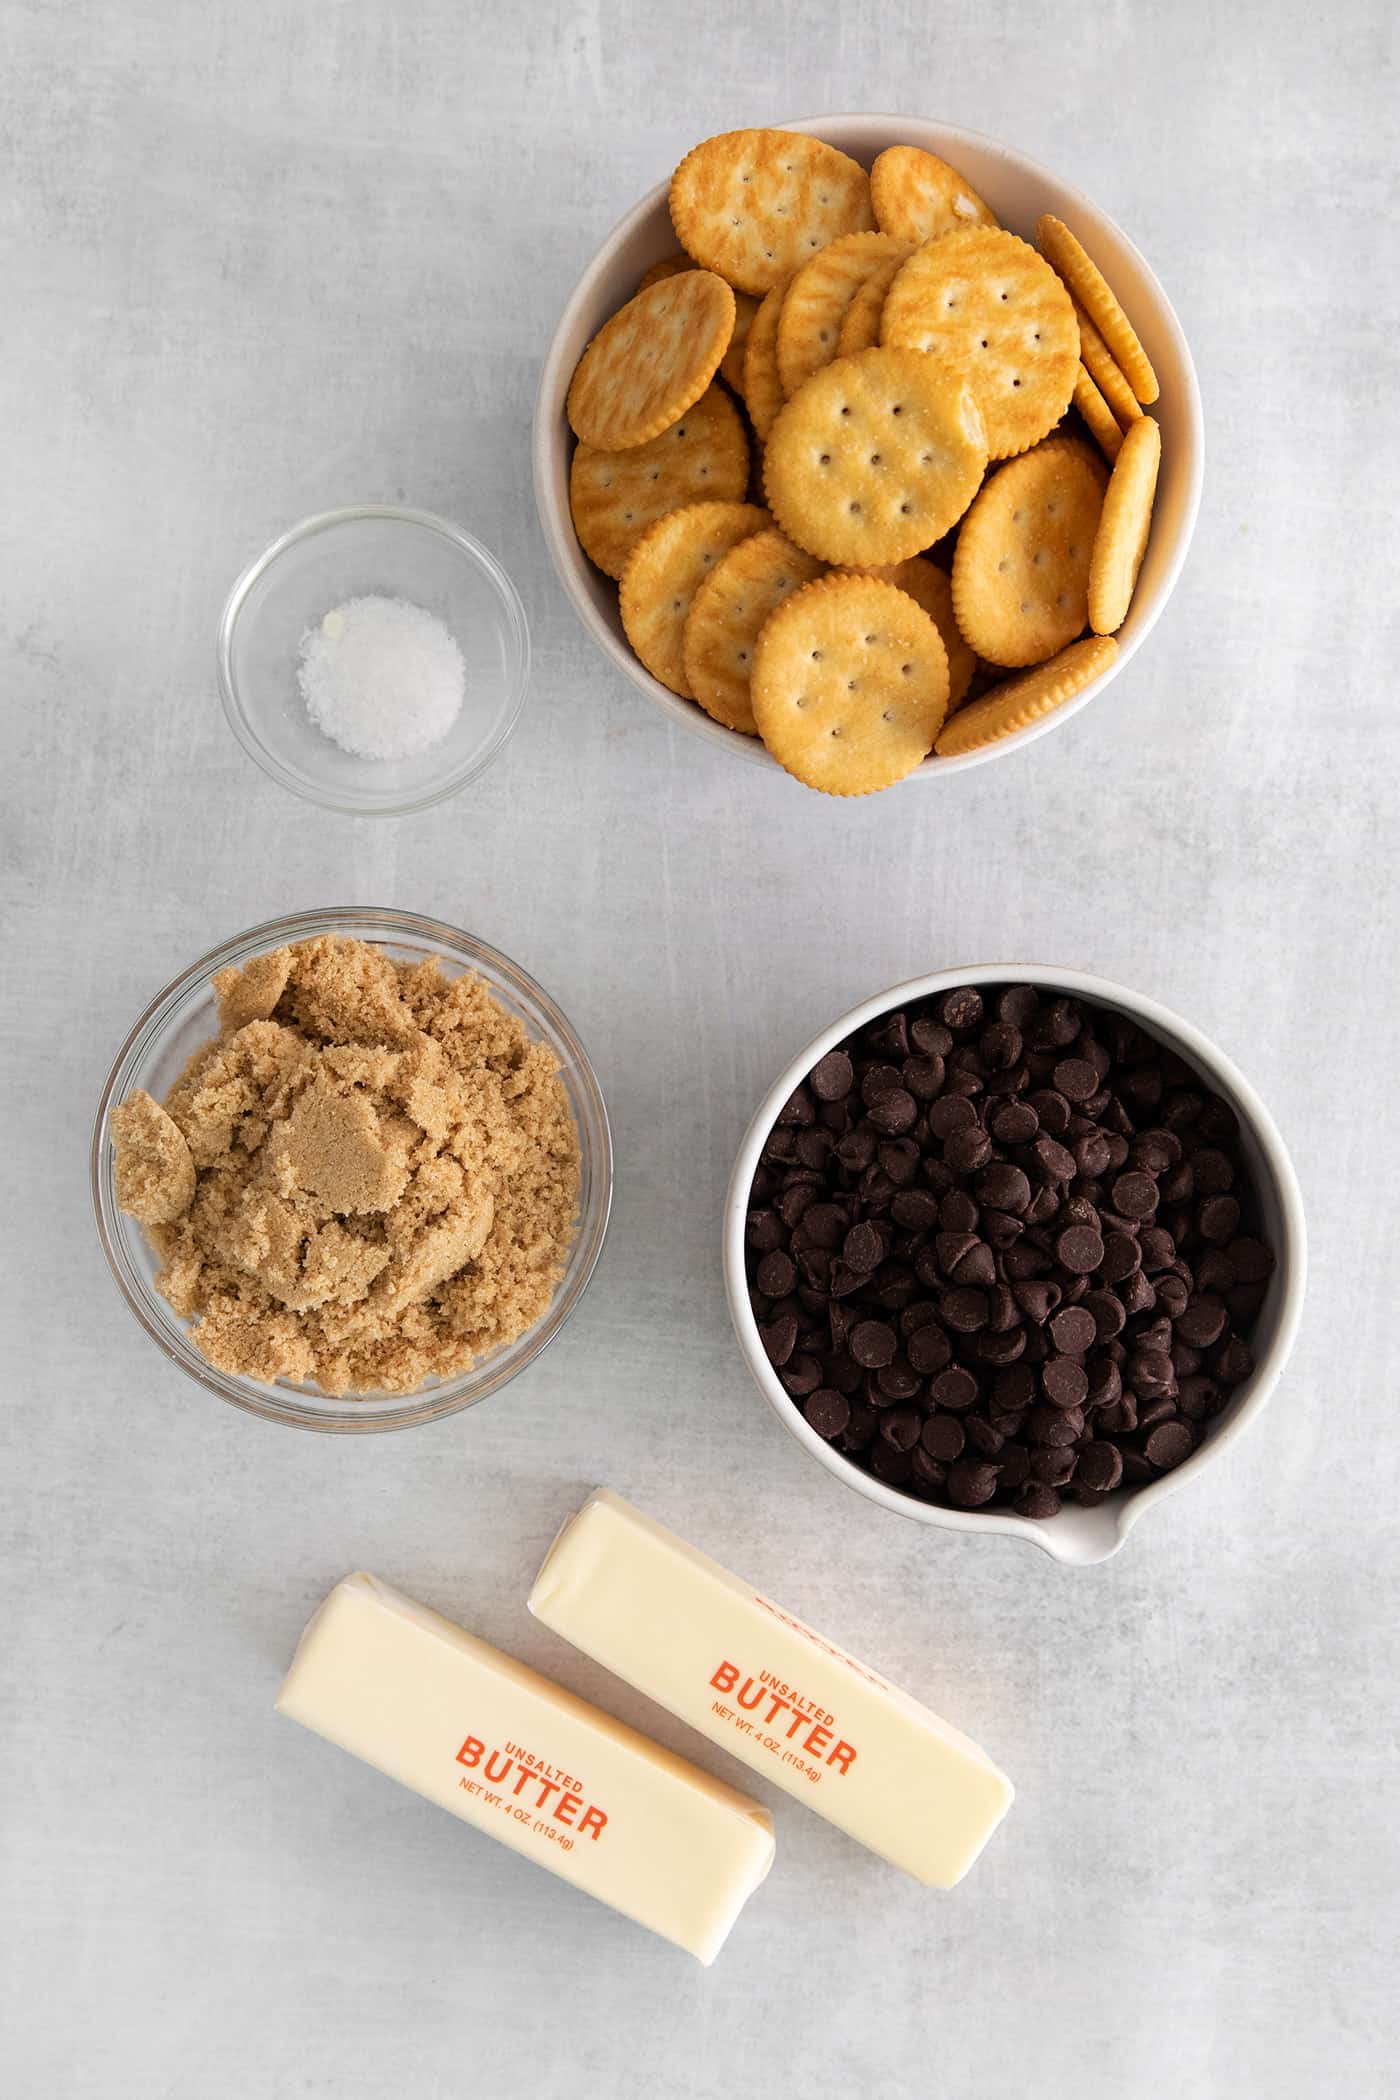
[[467, 545], [337, 1413]]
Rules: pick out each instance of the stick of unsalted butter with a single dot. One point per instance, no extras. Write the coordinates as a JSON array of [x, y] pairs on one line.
[[758, 1682], [520, 1758]]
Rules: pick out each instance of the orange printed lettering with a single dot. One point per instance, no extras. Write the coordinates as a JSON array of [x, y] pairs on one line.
[[592, 1821], [568, 1807], [725, 1678], [470, 1752], [843, 1757], [498, 1756]]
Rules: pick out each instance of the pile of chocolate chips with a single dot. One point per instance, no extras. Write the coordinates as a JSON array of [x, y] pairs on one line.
[[1003, 1248]]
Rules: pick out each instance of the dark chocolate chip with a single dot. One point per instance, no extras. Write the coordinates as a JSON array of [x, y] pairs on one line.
[[1169, 1444], [1080, 1248], [943, 1438], [873, 1344], [1074, 1330], [1064, 1382], [828, 1411], [971, 1482]]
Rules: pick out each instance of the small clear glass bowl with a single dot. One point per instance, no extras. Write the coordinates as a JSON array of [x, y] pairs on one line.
[[371, 550], [184, 1016]]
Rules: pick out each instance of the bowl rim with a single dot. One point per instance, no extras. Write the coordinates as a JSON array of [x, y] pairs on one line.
[[548, 434], [465, 544], [308, 1408], [1117, 1517]]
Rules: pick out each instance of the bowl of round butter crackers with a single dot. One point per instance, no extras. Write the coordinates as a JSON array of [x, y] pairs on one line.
[[867, 449]]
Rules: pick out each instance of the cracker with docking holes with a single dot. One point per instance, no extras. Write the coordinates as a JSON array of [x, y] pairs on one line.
[[1126, 521], [616, 496], [1026, 698], [860, 324], [1099, 362], [1021, 570], [731, 368], [727, 615], [645, 366], [809, 325], [755, 205], [1096, 412], [665, 570], [874, 458], [932, 588], [763, 389], [990, 310], [850, 684], [1081, 273], [918, 196]]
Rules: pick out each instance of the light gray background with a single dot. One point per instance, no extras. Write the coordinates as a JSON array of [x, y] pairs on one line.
[[260, 259]]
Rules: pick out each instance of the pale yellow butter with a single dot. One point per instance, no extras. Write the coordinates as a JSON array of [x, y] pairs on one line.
[[764, 1686], [529, 1763]]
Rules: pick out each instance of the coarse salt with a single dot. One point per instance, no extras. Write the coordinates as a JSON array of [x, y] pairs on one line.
[[381, 677]]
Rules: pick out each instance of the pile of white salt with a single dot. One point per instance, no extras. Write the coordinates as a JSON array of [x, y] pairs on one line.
[[381, 677]]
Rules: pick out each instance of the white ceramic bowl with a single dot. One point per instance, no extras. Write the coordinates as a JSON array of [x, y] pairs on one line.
[[1075, 1535], [1018, 190]]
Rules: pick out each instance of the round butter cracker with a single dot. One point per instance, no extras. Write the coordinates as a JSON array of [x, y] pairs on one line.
[[755, 205], [762, 388], [809, 325], [1082, 274], [1097, 414], [665, 570], [645, 366], [1021, 570], [1126, 521], [850, 684], [1017, 702], [860, 325], [993, 313], [617, 496], [727, 615], [874, 459], [917, 196]]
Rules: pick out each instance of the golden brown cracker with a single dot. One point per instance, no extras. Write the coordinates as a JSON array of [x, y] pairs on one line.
[[755, 205], [1097, 415], [669, 266], [994, 313], [850, 684], [809, 324], [860, 324], [1017, 702], [663, 573], [762, 388], [932, 588], [1124, 525], [1021, 570], [1099, 362], [731, 368], [1091, 289], [874, 458], [616, 496], [647, 364], [727, 615], [917, 196]]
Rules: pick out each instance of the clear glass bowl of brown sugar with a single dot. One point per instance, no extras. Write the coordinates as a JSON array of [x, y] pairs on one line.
[[183, 1017]]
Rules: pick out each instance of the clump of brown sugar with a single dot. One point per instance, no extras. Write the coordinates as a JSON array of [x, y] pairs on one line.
[[369, 1178]]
